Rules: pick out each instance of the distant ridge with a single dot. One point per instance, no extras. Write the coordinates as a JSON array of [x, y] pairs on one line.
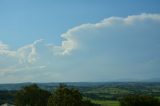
[[50, 86], [153, 80]]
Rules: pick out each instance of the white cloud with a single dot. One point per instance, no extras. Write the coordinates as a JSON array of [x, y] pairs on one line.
[[4, 50], [116, 43], [70, 38], [70, 41], [3, 46], [142, 17], [25, 54], [28, 53]]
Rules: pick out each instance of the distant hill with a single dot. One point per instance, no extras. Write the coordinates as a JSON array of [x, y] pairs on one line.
[[50, 86], [153, 80], [138, 80]]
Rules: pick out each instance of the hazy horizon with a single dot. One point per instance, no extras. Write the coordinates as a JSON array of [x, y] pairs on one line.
[[79, 41]]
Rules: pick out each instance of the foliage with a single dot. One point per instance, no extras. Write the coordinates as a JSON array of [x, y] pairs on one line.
[[65, 96], [32, 96], [139, 100], [106, 94], [7, 97]]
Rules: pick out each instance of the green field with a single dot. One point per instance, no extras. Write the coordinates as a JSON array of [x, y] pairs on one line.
[[114, 91], [105, 94], [106, 102]]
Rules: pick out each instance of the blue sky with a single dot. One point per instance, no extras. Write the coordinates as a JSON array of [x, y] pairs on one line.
[[47, 19], [83, 40]]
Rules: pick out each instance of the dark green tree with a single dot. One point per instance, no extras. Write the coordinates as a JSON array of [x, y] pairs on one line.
[[32, 96], [64, 96], [139, 100]]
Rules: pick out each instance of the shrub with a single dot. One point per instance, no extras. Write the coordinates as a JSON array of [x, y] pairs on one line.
[[139, 100]]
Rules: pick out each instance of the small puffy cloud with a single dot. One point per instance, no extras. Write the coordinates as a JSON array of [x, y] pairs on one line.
[[3, 46], [110, 49], [22, 59], [24, 54], [4, 50], [28, 53]]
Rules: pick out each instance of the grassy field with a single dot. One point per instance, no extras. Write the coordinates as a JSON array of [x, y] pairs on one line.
[[105, 94], [106, 103], [114, 91]]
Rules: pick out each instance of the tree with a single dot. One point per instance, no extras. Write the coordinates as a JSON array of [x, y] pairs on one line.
[[139, 100], [32, 96], [64, 96]]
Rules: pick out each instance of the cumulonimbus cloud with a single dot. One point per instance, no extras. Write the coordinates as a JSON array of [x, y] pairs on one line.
[[70, 40], [134, 33]]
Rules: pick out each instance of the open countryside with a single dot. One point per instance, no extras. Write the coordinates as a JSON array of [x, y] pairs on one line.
[[103, 94], [79, 52]]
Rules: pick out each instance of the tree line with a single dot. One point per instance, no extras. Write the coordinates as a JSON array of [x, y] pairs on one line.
[[64, 96]]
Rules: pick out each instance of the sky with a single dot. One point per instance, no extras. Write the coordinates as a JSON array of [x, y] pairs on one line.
[[79, 41]]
